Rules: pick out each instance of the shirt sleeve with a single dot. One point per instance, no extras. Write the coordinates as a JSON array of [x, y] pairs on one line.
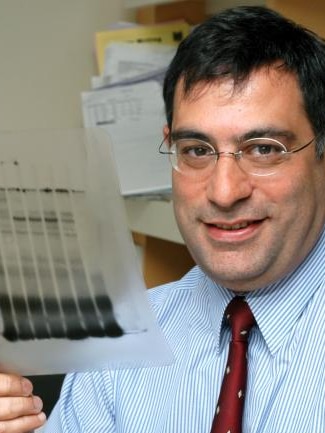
[[85, 405]]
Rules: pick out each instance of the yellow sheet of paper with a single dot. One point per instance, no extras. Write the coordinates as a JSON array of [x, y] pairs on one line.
[[171, 33]]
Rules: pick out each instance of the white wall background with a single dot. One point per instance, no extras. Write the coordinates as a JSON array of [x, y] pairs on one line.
[[46, 58]]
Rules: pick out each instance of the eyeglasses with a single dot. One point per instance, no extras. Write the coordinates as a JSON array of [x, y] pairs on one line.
[[256, 156]]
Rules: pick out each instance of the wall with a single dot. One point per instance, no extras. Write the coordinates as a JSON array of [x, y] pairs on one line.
[[310, 14], [213, 6], [46, 55]]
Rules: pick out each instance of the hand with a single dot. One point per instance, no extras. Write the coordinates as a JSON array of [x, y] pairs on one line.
[[20, 411]]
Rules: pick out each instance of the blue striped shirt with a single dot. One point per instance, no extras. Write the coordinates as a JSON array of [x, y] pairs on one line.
[[286, 379]]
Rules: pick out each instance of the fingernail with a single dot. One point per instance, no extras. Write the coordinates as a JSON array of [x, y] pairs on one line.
[[27, 386], [41, 416], [37, 402]]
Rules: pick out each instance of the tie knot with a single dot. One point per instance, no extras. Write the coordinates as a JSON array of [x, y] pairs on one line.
[[240, 317]]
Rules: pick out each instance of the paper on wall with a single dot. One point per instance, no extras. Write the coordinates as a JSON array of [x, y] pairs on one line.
[[171, 33], [124, 61], [133, 115]]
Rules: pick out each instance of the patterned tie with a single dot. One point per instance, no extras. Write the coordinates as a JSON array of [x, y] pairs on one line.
[[228, 416]]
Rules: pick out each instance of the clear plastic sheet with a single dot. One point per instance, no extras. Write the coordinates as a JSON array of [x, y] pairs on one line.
[[71, 294]]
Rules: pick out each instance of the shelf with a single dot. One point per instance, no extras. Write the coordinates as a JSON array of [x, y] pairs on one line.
[[153, 218]]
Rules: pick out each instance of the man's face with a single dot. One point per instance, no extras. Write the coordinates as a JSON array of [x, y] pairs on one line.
[[246, 231]]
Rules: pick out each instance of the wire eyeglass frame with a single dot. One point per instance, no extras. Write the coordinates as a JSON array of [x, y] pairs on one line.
[[192, 156]]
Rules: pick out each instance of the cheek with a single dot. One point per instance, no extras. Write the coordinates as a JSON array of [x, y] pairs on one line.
[[285, 198], [297, 201], [187, 197], [185, 189]]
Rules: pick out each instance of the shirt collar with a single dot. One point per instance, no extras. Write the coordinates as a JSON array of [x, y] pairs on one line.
[[277, 307], [219, 298]]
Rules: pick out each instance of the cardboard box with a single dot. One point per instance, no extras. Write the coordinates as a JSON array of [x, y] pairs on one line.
[[192, 11]]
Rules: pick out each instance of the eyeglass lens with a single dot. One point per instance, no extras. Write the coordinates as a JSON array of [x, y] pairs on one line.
[[256, 156]]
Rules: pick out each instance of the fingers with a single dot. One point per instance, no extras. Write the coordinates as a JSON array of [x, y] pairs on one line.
[[20, 411], [12, 385], [24, 424], [13, 407]]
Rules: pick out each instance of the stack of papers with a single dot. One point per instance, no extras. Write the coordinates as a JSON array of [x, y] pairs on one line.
[[133, 116], [167, 33], [126, 101]]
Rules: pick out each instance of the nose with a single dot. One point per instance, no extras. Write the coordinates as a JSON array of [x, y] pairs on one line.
[[228, 183]]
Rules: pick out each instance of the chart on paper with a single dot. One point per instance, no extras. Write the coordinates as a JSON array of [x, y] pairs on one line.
[[71, 294], [47, 291]]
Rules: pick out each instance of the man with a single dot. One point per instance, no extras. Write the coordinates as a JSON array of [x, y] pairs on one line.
[[245, 97]]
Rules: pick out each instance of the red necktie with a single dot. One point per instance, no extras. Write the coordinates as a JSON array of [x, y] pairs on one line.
[[229, 412]]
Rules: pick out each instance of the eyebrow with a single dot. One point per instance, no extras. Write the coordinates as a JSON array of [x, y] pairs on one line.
[[190, 133], [269, 131]]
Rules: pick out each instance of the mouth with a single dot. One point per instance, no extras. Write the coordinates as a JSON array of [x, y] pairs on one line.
[[237, 226], [236, 230]]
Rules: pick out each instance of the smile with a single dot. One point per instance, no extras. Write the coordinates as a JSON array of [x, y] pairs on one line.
[[236, 232], [232, 227]]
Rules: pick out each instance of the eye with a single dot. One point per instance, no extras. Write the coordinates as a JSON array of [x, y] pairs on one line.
[[262, 148], [194, 149]]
